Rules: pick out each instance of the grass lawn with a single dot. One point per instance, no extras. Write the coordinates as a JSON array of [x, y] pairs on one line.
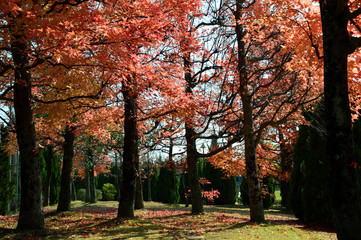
[[161, 221]]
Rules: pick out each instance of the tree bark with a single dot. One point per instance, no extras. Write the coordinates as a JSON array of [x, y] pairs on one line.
[[192, 154], [127, 196], [49, 172], [173, 172], [254, 187], [286, 166], [73, 191], [117, 177], [344, 184], [65, 182], [139, 203], [196, 194], [91, 195], [31, 216]]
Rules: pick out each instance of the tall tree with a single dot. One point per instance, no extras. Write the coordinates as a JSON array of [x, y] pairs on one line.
[[67, 169], [31, 213], [271, 81], [49, 173], [338, 16], [127, 194]]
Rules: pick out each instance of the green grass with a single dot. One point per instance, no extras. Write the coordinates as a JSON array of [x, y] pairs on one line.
[[161, 221]]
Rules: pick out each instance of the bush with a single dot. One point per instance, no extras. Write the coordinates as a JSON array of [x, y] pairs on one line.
[[225, 185], [168, 185], [309, 195], [109, 192], [99, 195], [81, 194]]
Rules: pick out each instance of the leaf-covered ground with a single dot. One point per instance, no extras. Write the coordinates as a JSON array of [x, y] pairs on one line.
[[160, 221]]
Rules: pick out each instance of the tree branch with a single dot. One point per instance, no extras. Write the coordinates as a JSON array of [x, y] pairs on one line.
[[355, 42]]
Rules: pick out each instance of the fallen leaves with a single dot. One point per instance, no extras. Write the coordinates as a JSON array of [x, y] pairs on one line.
[[99, 221]]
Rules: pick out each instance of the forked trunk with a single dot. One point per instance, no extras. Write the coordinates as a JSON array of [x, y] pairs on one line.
[[254, 187], [192, 161]]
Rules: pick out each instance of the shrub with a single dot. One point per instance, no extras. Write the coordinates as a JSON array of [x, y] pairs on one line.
[[109, 192], [225, 185], [99, 195], [168, 186], [81, 194]]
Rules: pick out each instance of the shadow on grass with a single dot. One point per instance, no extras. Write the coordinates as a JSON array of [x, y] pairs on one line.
[[314, 227], [14, 234]]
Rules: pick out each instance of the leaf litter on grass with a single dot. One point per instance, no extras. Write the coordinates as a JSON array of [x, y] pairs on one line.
[[98, 221]]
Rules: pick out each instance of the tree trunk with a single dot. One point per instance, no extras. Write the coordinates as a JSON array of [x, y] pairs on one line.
[[172, 171], [127, 196], [90, 195], [65, 183], [192, 163], [31, 214], [286, 166], [87, 182], [73, 191], [344, 184], [254, 187], [149, 186], [91, 177], [139, 203], [49, 172], [196, 194], [117, 177], [92, 189]]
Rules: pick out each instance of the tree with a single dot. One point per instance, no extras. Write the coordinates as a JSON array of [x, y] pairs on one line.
[[127, 194], [67, 169], [271, 80], [25, 48], [339, 20], [31, 214], [309, 187], [48, 156], [6, 184]]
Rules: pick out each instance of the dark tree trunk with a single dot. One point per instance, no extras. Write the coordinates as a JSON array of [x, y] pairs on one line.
[[196, 194], [127, 196], [92, 189], [148, 180], [65, 183], [90, 192], [254, 187], [31, 214], [139, 203], [73, 191], [286, 166], [87, 183], [92, 197], [172, 171], [192, 154], [49, 172], [117, 176], [344, 184]]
